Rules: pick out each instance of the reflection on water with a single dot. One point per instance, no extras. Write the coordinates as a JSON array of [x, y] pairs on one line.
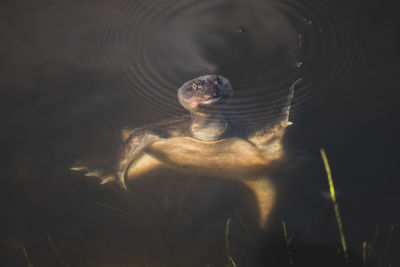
[[76, 72]]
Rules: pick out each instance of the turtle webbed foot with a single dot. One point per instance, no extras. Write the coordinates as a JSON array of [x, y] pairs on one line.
[[104, 177]]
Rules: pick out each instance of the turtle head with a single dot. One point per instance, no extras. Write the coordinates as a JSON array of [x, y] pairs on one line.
[[204, 93]]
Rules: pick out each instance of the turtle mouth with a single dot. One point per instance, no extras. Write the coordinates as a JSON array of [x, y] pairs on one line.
[[213, 100]]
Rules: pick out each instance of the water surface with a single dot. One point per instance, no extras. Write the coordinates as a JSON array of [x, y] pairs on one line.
[[73, 73]]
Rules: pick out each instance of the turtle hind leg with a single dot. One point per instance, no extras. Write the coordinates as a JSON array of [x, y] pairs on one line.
[[265, 194]]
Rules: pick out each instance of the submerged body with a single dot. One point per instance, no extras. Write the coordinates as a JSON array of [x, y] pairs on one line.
[[206, 142]]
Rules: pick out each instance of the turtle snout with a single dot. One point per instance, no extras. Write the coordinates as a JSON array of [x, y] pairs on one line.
[[224, 87], [218, 89]]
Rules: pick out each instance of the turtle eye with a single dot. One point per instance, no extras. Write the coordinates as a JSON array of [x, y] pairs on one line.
[[194, 86]]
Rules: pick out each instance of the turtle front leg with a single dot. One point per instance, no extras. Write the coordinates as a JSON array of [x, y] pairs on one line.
[[270, 137], [132, 151]]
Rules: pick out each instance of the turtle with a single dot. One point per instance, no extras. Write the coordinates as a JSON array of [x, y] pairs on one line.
[[207, 141]]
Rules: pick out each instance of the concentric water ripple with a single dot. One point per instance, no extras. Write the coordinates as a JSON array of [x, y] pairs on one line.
[[153, 47]]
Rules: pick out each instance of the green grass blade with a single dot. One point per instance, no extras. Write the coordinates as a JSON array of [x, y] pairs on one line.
[[334, 202]]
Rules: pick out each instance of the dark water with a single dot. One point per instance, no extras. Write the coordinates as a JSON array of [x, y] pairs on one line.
[[73, 73]]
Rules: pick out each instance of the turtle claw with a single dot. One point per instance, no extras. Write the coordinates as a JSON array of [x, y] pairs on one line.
[[93, 174], [108, 179], [80, 168], [105, 179]]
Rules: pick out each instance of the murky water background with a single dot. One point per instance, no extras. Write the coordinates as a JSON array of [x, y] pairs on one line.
[[73, 73]]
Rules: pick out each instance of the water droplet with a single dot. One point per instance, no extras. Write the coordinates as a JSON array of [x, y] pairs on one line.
[[240, 30]]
